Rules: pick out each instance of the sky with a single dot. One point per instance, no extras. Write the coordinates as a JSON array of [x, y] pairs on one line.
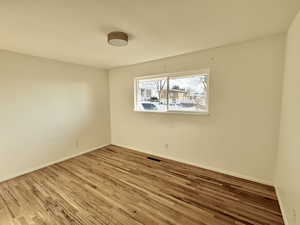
[[194, 83]]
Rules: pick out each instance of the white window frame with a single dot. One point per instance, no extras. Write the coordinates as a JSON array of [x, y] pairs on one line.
[[168, 76]]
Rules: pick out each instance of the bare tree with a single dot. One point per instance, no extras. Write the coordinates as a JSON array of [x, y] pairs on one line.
[[204, 83], [160, 84]]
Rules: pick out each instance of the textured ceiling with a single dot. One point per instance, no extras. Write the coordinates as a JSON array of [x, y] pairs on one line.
[[75, 30]]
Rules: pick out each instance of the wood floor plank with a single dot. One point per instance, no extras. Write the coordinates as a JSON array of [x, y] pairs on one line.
[[119, 186]]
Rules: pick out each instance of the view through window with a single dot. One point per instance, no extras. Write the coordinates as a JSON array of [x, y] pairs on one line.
[[178, 93]]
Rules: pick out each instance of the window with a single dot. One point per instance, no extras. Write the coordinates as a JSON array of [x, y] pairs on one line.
[[181, 92]]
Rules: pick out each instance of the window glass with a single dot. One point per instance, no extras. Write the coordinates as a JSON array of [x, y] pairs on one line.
[[184, 93], [151, 95], [188, 93]]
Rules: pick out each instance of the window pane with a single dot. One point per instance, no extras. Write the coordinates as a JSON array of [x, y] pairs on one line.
[[151, 95], [188, 93]]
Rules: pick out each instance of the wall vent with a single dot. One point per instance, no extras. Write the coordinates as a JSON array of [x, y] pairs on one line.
[[154, 159]]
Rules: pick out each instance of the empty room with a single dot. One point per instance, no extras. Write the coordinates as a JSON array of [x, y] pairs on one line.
[[149, 112]]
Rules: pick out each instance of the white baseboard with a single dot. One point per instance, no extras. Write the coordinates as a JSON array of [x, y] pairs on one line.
[[218, 170], [284, 215], [238, 175], [50, 163], [147, 152]]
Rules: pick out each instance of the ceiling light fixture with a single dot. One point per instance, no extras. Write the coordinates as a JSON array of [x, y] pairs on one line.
[[117, 38]]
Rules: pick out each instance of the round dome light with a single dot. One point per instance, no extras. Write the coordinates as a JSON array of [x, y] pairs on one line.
[[117, 38]]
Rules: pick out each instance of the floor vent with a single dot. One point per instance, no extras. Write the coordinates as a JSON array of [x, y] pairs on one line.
[[154, 159]]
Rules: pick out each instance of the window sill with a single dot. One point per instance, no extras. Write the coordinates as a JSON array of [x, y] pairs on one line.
[[176, 112]]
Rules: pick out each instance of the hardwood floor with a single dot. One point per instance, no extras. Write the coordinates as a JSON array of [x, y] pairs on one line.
[[116, 186]]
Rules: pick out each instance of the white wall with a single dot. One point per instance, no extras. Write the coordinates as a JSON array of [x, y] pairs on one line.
[[288, 167], [239, 136], [49, 110]]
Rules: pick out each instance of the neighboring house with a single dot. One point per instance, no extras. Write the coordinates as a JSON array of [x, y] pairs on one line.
[[176, 96], [146, 94]]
